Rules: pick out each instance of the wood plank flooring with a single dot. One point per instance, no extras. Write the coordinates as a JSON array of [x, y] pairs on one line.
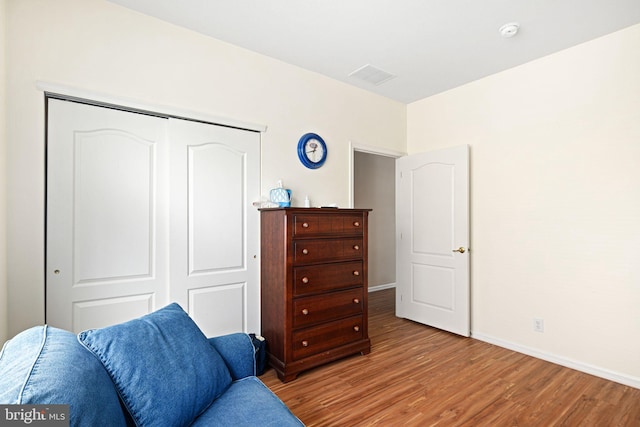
[[420, 376]]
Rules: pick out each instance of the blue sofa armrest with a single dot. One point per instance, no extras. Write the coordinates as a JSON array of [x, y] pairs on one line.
[[238, 353]]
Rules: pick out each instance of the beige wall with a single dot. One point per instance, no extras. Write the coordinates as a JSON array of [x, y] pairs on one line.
[[555, 210], [97, 46], [3, 180]]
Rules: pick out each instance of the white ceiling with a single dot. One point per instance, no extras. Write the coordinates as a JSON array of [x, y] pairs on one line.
[[430, 45]]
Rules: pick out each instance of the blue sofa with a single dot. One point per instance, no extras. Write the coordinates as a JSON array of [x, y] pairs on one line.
[[158, 370]]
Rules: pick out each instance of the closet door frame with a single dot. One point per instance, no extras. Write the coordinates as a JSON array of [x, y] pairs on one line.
[[54, 91]]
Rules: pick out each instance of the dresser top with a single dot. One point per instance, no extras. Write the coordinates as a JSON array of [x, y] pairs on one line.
[[314, 210]]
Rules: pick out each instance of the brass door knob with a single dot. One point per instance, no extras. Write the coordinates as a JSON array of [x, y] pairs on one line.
[[460, 249]]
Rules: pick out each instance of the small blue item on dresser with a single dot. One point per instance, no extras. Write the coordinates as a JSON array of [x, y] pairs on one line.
[[281, 196]]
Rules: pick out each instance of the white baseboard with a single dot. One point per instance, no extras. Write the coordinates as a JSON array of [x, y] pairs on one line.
[[381, 287], [563, 361]]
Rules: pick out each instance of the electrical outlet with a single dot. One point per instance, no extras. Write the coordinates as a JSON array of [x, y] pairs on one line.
[[538, 325]]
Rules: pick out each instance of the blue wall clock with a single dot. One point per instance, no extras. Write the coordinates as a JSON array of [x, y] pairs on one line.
[[312, 151]]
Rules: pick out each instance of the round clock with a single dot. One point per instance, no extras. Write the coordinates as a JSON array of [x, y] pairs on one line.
[[312, 151]]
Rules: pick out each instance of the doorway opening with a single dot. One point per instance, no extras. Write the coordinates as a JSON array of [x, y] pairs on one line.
[[373, 186]]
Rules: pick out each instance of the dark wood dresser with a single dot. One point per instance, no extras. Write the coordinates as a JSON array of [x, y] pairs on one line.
[[313, 286]]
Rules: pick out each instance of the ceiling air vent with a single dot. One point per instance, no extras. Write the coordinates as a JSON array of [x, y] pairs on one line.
[[371, 74]]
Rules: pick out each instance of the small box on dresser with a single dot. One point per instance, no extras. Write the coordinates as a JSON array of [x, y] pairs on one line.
[[313, 286]]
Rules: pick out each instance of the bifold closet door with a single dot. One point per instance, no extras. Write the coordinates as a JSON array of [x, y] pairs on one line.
[[143, 211], [107, 230], [214, 252]]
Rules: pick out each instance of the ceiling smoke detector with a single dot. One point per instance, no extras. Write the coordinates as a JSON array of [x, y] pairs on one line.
[[509, 30]]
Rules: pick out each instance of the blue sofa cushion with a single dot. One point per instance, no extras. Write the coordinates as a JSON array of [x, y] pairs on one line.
[[45, 365], [238, 353], [163, 366], [248, 403]]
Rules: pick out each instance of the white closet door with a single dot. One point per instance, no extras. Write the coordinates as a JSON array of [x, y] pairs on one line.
[[214, 227], [107, 229]]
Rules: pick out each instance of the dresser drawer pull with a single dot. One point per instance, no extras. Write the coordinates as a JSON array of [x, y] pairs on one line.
[[305, 251], [305, 225], [305, 343], [305, 280], [356, 247], [356, 328], [356, 273], [356, 301], [356, 224], [305, 311]]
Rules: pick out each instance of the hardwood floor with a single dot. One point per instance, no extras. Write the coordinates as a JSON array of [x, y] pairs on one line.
[[420, 376]]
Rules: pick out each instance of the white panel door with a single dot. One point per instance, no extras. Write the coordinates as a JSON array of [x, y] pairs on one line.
[[432, 221], [106, 260], [214, 227]]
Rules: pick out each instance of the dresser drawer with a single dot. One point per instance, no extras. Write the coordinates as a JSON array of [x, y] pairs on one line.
[[318, 224], [326, 336], [323, 250], [326, 277], [308, 311]]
